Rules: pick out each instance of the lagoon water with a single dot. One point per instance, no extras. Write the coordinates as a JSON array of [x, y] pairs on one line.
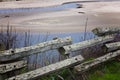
[[52, 8], [51, 56], [44, 9]]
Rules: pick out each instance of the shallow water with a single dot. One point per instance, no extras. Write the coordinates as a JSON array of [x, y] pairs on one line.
[[45, 9], [41, 37], [52, 56], [52, 8]]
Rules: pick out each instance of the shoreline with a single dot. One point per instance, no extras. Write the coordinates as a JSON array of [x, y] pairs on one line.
[[36, 3], [99, 14]]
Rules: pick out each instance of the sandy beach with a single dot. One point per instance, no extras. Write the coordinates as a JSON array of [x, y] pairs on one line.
[[36, 3], [99, 14]]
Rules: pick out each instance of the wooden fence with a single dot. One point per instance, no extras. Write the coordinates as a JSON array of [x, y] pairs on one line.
[[13, 59]]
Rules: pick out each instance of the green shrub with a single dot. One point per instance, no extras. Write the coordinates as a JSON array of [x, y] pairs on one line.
[[107, 71]]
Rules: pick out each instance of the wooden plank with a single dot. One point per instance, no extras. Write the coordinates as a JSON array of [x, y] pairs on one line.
[[87, 65], [85, 44], [39, 48], [48, 69], [12, 66], [101, 31], [112, 46]]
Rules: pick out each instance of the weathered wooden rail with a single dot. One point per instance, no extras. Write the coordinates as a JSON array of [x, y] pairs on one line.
[[102, 31], [86, 65], [13, 54], [64, 46], [85, 44], [48, 69], [12, 66], [112, 46]]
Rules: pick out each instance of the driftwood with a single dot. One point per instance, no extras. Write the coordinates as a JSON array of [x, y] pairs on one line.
[[85, 44], [12, 66], [112, 46], [101, 31], [86, 65], [39, 48], [48, 69]]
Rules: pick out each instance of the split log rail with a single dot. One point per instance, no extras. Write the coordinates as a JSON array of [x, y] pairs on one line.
[[65, 47]]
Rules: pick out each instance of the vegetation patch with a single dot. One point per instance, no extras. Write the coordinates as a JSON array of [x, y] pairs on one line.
[[107, 71]]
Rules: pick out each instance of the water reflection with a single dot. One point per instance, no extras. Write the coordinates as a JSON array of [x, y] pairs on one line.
[[52, 8], [44, 9], [51, 56]]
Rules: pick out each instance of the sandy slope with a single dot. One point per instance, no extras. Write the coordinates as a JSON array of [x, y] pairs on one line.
[[99, 14]]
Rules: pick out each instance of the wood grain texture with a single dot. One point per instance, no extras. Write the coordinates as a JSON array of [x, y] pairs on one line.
[[39, 48]]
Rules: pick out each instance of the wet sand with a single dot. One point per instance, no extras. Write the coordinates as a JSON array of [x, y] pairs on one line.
[[35, 3], [99, 14]]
